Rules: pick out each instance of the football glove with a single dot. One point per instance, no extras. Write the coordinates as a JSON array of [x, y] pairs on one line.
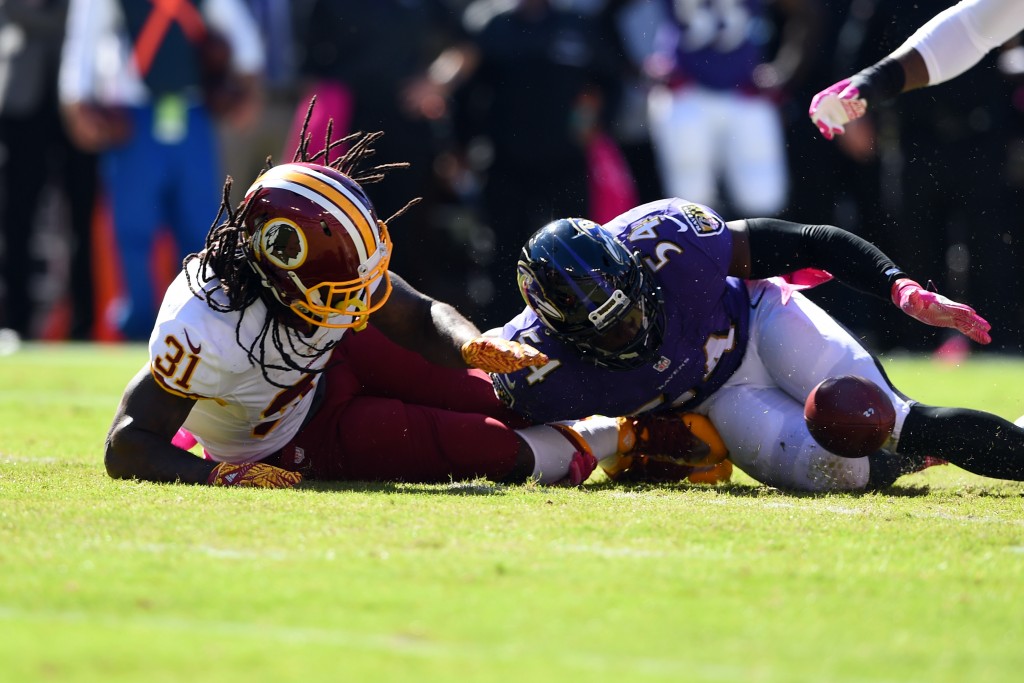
[[497, 355], [835, 106], [932, 308], [253, 474]]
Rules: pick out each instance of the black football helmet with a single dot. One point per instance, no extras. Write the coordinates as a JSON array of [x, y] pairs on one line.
[[590, 291]]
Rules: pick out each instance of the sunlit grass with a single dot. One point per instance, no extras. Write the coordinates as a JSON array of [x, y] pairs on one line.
[[104, 580]]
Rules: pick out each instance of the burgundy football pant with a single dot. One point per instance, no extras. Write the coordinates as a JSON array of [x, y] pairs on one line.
[[389, 415]]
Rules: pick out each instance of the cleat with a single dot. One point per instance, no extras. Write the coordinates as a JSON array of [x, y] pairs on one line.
[[929, 461], [886, 467], [712, 474], [661, 436]]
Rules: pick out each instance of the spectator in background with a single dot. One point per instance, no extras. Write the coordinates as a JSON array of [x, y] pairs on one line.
[[244, 150], [969, 229], [545, 84], [633, 24], [389, 65], [839, 182], [140, 83], [944, 154], [950, 43], [715, 117], [36, 150]]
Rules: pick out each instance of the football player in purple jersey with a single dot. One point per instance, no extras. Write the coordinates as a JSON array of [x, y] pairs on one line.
[[670, 308], [714, 109]]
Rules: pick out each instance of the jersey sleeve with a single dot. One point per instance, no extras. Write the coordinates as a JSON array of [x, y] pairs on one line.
[[957, 38]]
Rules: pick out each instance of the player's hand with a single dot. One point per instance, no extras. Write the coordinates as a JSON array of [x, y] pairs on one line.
[[494, 354], [253, 474], [835, 106], [932, 308]]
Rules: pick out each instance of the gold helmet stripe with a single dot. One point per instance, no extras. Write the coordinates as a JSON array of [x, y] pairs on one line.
[[332, 197]]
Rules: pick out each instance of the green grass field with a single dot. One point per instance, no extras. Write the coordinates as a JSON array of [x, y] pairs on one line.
[[104, 580]]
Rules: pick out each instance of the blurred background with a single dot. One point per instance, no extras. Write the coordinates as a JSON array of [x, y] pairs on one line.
[[119, 120]]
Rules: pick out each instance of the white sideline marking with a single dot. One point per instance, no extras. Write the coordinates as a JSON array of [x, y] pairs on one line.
[[406, 644], [209, 550], [611, 551]]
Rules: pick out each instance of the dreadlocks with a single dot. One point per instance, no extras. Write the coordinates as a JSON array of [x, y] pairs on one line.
[[224, 253]]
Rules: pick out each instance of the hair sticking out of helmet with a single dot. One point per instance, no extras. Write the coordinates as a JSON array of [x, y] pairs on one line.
[[307, 240], [591, 292]]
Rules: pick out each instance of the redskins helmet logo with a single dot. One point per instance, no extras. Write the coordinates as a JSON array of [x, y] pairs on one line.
[[283, 244]]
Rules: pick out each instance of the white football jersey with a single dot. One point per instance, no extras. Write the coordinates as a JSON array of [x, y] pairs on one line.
[[239, 416]]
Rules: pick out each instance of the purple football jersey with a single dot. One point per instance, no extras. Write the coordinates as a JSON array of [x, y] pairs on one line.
[[688, 249], [715, 44]]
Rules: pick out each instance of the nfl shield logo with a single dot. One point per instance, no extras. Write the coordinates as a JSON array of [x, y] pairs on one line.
[[662, 364]]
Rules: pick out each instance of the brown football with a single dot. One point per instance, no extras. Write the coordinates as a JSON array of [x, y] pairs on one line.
[[849, 416]]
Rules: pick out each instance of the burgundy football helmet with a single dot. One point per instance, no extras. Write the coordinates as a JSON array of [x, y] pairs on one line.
[[315, 242]]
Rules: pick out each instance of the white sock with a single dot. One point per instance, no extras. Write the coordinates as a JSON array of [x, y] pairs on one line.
[[552, 452], [601, 434]]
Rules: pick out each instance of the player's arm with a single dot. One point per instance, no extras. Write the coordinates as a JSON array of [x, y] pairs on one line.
[[767, 247], [139, 445], [946, 46], [444, 336]]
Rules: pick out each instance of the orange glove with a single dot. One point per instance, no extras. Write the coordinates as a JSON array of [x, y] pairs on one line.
[[494, 354], [255, 474]]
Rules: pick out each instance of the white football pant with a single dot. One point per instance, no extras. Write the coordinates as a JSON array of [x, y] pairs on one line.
[[759, 412], [702, 135]]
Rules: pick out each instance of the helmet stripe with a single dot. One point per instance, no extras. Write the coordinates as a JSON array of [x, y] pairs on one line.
[[344, 206], [327, 205]]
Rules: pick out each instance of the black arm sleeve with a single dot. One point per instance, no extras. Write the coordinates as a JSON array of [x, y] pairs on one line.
[[778, 247]]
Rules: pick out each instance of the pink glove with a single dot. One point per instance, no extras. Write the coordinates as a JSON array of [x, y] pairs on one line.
[[494, 354], [932, 308], [835, 106]]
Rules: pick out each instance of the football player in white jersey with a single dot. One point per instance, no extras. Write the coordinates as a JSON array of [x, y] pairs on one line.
[[263, 354], [946, 46]]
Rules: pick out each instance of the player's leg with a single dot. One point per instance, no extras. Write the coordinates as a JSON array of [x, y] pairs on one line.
[[382, 439], [759, 412], [756, 174], [798, 345], [196, 174], [682, 132], [132, 175], [977, 441], [23, 176], [387, 370], [764, 430], [357, 435]]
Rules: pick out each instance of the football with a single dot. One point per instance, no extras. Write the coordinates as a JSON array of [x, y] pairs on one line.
[[849, 416]]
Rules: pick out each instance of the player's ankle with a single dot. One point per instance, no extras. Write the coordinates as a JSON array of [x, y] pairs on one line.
[[627, 435]]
